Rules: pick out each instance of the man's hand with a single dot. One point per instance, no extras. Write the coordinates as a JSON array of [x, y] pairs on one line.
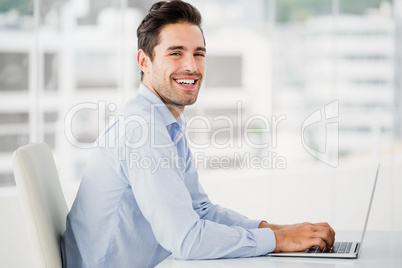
[[302, 236]]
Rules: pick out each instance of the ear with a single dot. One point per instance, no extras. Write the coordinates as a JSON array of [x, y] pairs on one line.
[[143, 60]]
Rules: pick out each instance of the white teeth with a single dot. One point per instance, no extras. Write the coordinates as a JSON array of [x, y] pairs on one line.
[[186, 81]]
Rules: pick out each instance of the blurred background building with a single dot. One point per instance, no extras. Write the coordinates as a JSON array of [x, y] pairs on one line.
[[68, 66]]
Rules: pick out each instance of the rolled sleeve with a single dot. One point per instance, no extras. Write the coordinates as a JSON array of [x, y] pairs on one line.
[[265, 240], [250, 224]]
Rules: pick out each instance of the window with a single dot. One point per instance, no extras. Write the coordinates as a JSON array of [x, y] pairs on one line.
[[224, 71]]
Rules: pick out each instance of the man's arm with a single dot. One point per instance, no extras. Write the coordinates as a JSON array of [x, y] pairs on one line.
[[205, 208], [296, 237], [166, 204]]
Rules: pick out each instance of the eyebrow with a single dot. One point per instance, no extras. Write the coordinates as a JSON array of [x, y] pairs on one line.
[[182, 48]]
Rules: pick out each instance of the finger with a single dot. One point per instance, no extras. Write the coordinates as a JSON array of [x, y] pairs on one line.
[[324, 234], [327, 227], [318, 242], [325, 224]]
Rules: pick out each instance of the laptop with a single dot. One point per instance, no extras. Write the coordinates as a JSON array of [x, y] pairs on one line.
[[343, 250]]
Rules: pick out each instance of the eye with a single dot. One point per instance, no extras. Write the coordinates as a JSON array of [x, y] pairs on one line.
[[199, 54], [175, 54]]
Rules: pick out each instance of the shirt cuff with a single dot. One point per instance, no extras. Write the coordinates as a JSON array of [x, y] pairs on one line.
[[265, 239], [250, 224]]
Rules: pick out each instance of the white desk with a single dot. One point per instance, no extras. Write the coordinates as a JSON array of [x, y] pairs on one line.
[[380, 249]]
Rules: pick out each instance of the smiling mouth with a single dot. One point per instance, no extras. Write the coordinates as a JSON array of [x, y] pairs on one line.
[[186, 82]]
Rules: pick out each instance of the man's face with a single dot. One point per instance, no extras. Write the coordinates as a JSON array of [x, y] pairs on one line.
[[177, 69]]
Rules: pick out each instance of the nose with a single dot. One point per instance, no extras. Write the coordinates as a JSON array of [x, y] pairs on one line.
[[189, 64]]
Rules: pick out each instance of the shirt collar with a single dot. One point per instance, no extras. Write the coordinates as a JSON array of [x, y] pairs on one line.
[[167, 117]]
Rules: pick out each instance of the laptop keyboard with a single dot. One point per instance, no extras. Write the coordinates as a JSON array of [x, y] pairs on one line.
[[338, 247]]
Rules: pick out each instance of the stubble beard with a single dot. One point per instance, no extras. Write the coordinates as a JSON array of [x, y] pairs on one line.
[[169, 94]]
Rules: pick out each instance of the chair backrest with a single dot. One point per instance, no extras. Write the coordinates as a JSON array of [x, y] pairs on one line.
[[43, 204]]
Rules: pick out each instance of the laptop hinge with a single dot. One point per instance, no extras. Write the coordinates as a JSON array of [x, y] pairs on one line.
[[357, 248]]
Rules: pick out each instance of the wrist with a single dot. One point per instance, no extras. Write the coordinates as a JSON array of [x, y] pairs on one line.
[[278, 240], [273, 227]]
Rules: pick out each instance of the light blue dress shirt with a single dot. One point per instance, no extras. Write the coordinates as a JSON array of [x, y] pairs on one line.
[[140, 199]]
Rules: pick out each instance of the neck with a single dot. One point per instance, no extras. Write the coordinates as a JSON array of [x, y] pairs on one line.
[[175, 110]]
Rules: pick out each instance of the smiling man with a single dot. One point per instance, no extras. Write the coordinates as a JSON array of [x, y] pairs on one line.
[[135, 205], [174, 69]]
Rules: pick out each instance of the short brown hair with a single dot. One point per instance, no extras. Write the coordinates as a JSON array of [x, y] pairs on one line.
[[161, 14]]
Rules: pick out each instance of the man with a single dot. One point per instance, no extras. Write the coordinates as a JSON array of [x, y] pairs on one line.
[[136, 205]]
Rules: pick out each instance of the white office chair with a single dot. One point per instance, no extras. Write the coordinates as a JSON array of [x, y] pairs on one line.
[[42, 200]]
